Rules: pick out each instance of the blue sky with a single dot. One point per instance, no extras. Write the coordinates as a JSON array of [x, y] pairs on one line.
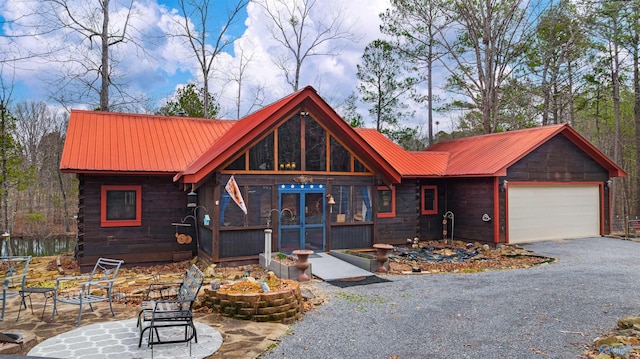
[[161, 64]]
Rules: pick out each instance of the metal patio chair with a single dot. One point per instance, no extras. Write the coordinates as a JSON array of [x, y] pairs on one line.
[[95, 287], [14, 269], [171, 310]]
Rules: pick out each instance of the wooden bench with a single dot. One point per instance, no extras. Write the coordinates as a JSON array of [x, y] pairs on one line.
[[172, 309], [13, 271]]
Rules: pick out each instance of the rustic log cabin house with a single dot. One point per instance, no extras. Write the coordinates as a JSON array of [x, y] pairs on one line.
[[156, 189]]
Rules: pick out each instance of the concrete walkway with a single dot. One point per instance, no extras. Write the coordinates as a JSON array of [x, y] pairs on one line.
[[328, 267]]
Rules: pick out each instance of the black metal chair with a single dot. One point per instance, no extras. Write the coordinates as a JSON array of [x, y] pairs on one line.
[[172, 309], [14, 269], [94, 288]]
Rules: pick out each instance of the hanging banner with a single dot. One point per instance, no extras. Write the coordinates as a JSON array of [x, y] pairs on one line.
[[234, 191]]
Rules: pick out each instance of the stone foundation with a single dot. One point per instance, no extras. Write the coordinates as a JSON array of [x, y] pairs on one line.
[[284, 306]]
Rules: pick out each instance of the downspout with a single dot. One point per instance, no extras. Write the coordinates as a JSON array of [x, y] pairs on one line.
[[496, 210]]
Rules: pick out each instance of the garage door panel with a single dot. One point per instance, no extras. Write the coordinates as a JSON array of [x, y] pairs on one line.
[[539, 213]]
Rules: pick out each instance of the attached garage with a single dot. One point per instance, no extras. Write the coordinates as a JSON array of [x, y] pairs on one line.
[[554, 211]]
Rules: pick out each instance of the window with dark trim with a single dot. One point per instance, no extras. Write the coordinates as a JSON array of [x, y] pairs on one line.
[[429, 199], [386, 202], [121, 206]]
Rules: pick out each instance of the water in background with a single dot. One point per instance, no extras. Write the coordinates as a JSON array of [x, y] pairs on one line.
[[38, 246]]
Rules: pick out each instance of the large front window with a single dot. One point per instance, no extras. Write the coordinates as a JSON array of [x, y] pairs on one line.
[[298, 144], [258, 202], [121, 206], [352, 204], [289, 145]]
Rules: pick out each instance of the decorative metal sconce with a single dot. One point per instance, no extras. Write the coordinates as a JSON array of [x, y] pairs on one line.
[[504, 185], [608, 183], [192, 199]]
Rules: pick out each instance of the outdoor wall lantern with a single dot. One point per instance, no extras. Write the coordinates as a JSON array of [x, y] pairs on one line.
[[504, 185], [192, 199], [609, 182]]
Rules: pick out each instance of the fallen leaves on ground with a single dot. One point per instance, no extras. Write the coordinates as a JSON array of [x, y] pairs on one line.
[[488, 258]]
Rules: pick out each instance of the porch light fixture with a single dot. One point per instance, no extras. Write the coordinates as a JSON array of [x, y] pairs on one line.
[[504, 185], [609, 182], [192, 199]]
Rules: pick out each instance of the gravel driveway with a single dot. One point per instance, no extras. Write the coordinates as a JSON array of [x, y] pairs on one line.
[[549, 311]]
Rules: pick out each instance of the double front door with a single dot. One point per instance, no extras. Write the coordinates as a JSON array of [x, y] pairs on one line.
[[302, 217]]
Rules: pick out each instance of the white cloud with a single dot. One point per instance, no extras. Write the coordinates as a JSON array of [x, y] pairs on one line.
[[163, 63]]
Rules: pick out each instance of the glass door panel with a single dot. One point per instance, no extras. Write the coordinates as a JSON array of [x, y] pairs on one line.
[[314, 221], [302, 217], [314, 239]]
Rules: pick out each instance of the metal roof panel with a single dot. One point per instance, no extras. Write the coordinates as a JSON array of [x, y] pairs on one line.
[[121, 142]]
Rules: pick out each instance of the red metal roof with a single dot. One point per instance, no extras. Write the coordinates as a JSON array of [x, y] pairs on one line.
[[122, 142], [492, 154], [191, 148], [407, 163]]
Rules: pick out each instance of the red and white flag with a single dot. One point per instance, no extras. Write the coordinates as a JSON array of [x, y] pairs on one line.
[[234, 192]]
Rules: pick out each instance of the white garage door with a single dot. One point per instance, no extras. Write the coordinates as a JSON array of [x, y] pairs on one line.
[[538, 213]]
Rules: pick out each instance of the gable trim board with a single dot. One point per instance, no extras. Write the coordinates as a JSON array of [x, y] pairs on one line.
[[550, 211]]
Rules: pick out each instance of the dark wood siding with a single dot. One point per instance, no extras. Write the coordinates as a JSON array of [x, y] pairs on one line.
[[557, 160], [241, 243], [163, 202], [352, 236], [404, 225], [469, 199]]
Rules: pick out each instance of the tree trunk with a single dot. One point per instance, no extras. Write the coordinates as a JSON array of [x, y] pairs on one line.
[[615, 74], [104, 71], [5, 185], [636, 116]]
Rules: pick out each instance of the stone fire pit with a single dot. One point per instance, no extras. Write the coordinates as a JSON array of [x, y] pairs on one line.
[[283, 304]]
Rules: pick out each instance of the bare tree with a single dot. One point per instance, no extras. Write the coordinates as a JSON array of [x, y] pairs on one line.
[[303, 33], [195, 27], [33, 121], [92, 25], [239, 75], [489, 43]]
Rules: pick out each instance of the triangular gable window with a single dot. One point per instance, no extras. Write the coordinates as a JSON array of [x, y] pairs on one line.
[[286, 149]]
